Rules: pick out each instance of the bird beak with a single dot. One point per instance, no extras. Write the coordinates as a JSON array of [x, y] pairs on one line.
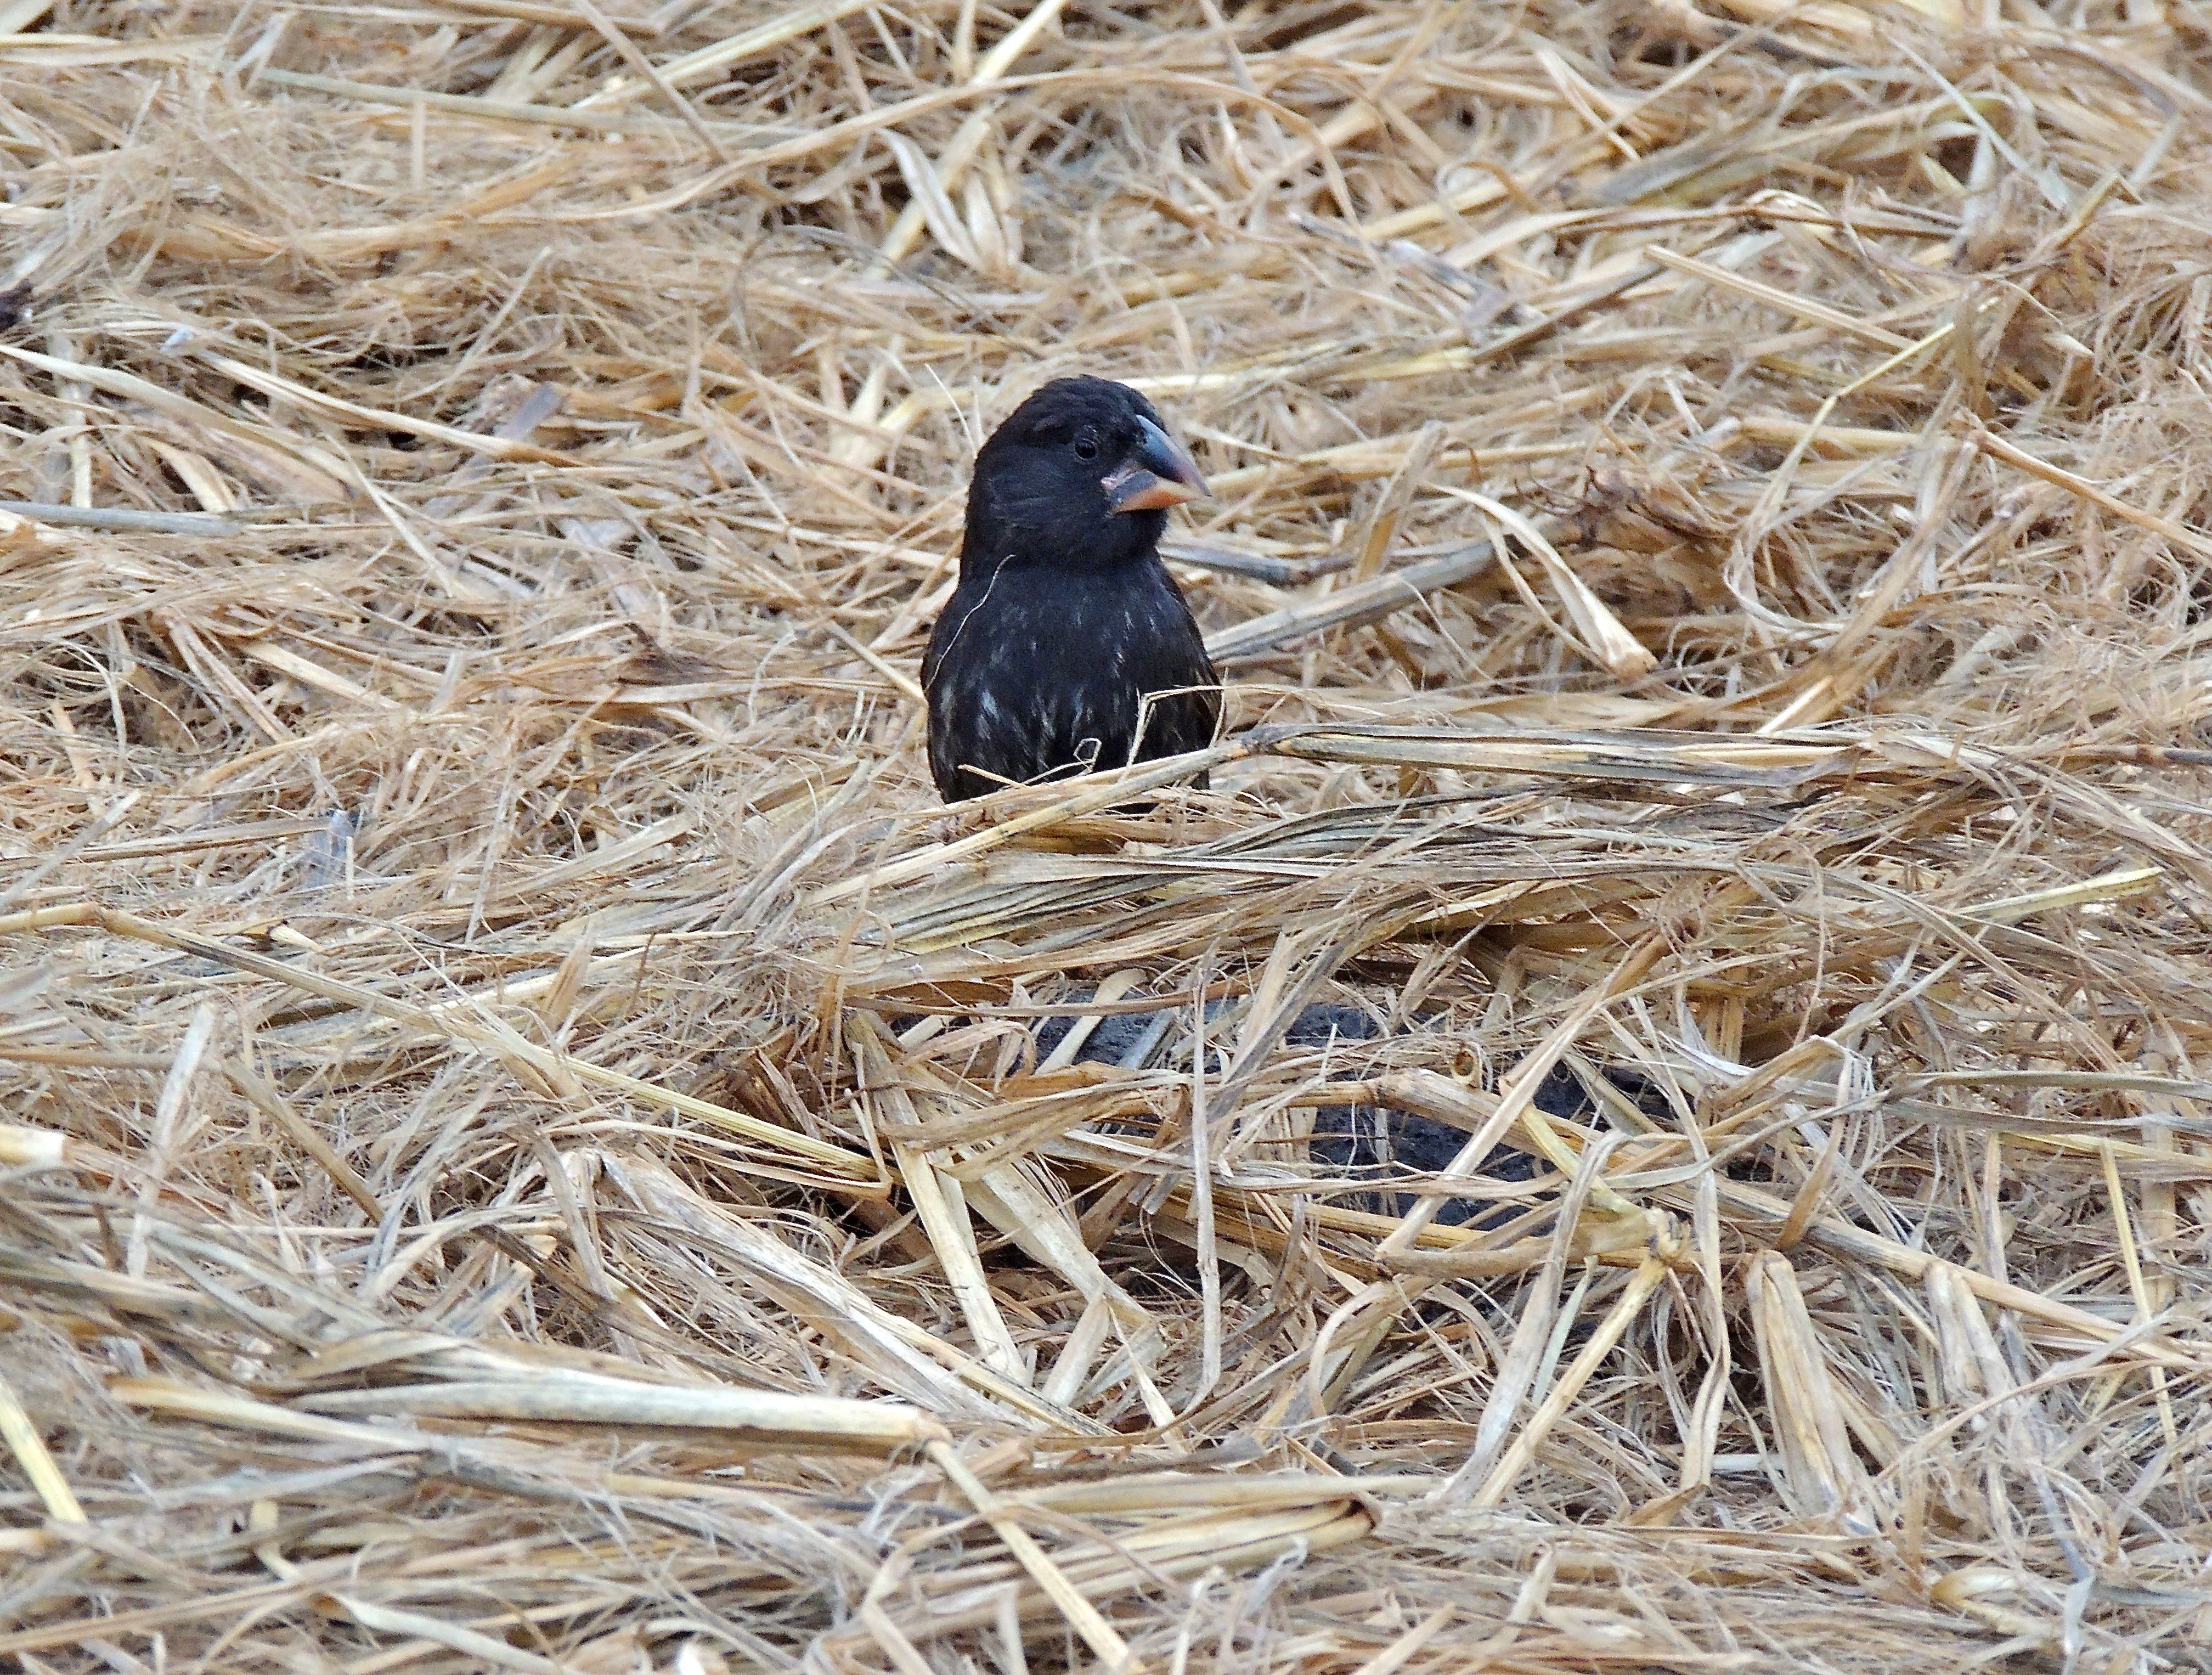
[[1159, 474]]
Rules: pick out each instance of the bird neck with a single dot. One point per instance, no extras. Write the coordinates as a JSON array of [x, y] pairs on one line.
[[1127, 541]]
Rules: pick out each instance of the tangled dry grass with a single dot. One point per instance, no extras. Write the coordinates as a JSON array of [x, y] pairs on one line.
[[529, 1140]]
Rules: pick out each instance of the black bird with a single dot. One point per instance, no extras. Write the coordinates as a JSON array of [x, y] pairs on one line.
[[1064, 618]]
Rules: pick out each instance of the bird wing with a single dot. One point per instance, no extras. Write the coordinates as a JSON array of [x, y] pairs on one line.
[[1037, 674], [1177, 667]]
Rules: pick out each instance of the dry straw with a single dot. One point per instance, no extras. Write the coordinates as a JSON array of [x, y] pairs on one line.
[[527, 1140]]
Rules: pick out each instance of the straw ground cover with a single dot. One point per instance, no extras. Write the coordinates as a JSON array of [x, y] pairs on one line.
[[534, 1143]]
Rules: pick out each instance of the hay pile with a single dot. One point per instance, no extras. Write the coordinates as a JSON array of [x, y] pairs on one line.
[[532, 1141]]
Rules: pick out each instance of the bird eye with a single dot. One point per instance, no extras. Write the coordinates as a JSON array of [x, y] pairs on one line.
[[1086, 446]]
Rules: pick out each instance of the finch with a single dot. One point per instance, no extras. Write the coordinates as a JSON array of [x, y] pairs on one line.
[[1066, 647]]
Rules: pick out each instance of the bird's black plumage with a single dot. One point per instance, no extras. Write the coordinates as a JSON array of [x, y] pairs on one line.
[[1065, 622]]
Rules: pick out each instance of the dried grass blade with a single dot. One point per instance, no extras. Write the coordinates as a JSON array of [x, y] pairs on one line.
[[461, 105], [299, 396], [1389, 511], [1647, 1279], [1841, 1239], [484, 1648], [807, 1289], [1093, 793], [216, 1407], [769, 1417], [952, 165], [1822, 1473], [2129, 883], [707, 63], [1351, 607], [2187, 540], [1513, 1098], [1517, 1373], [120, 517], [1804, 307], [936, 1200], [1606, 640], [38, 1465], [25, 1148], [483, 1034], [1082, 1615], [129, 386]]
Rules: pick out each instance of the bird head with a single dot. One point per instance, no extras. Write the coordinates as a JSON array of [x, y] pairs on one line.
[[1079, 476]]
